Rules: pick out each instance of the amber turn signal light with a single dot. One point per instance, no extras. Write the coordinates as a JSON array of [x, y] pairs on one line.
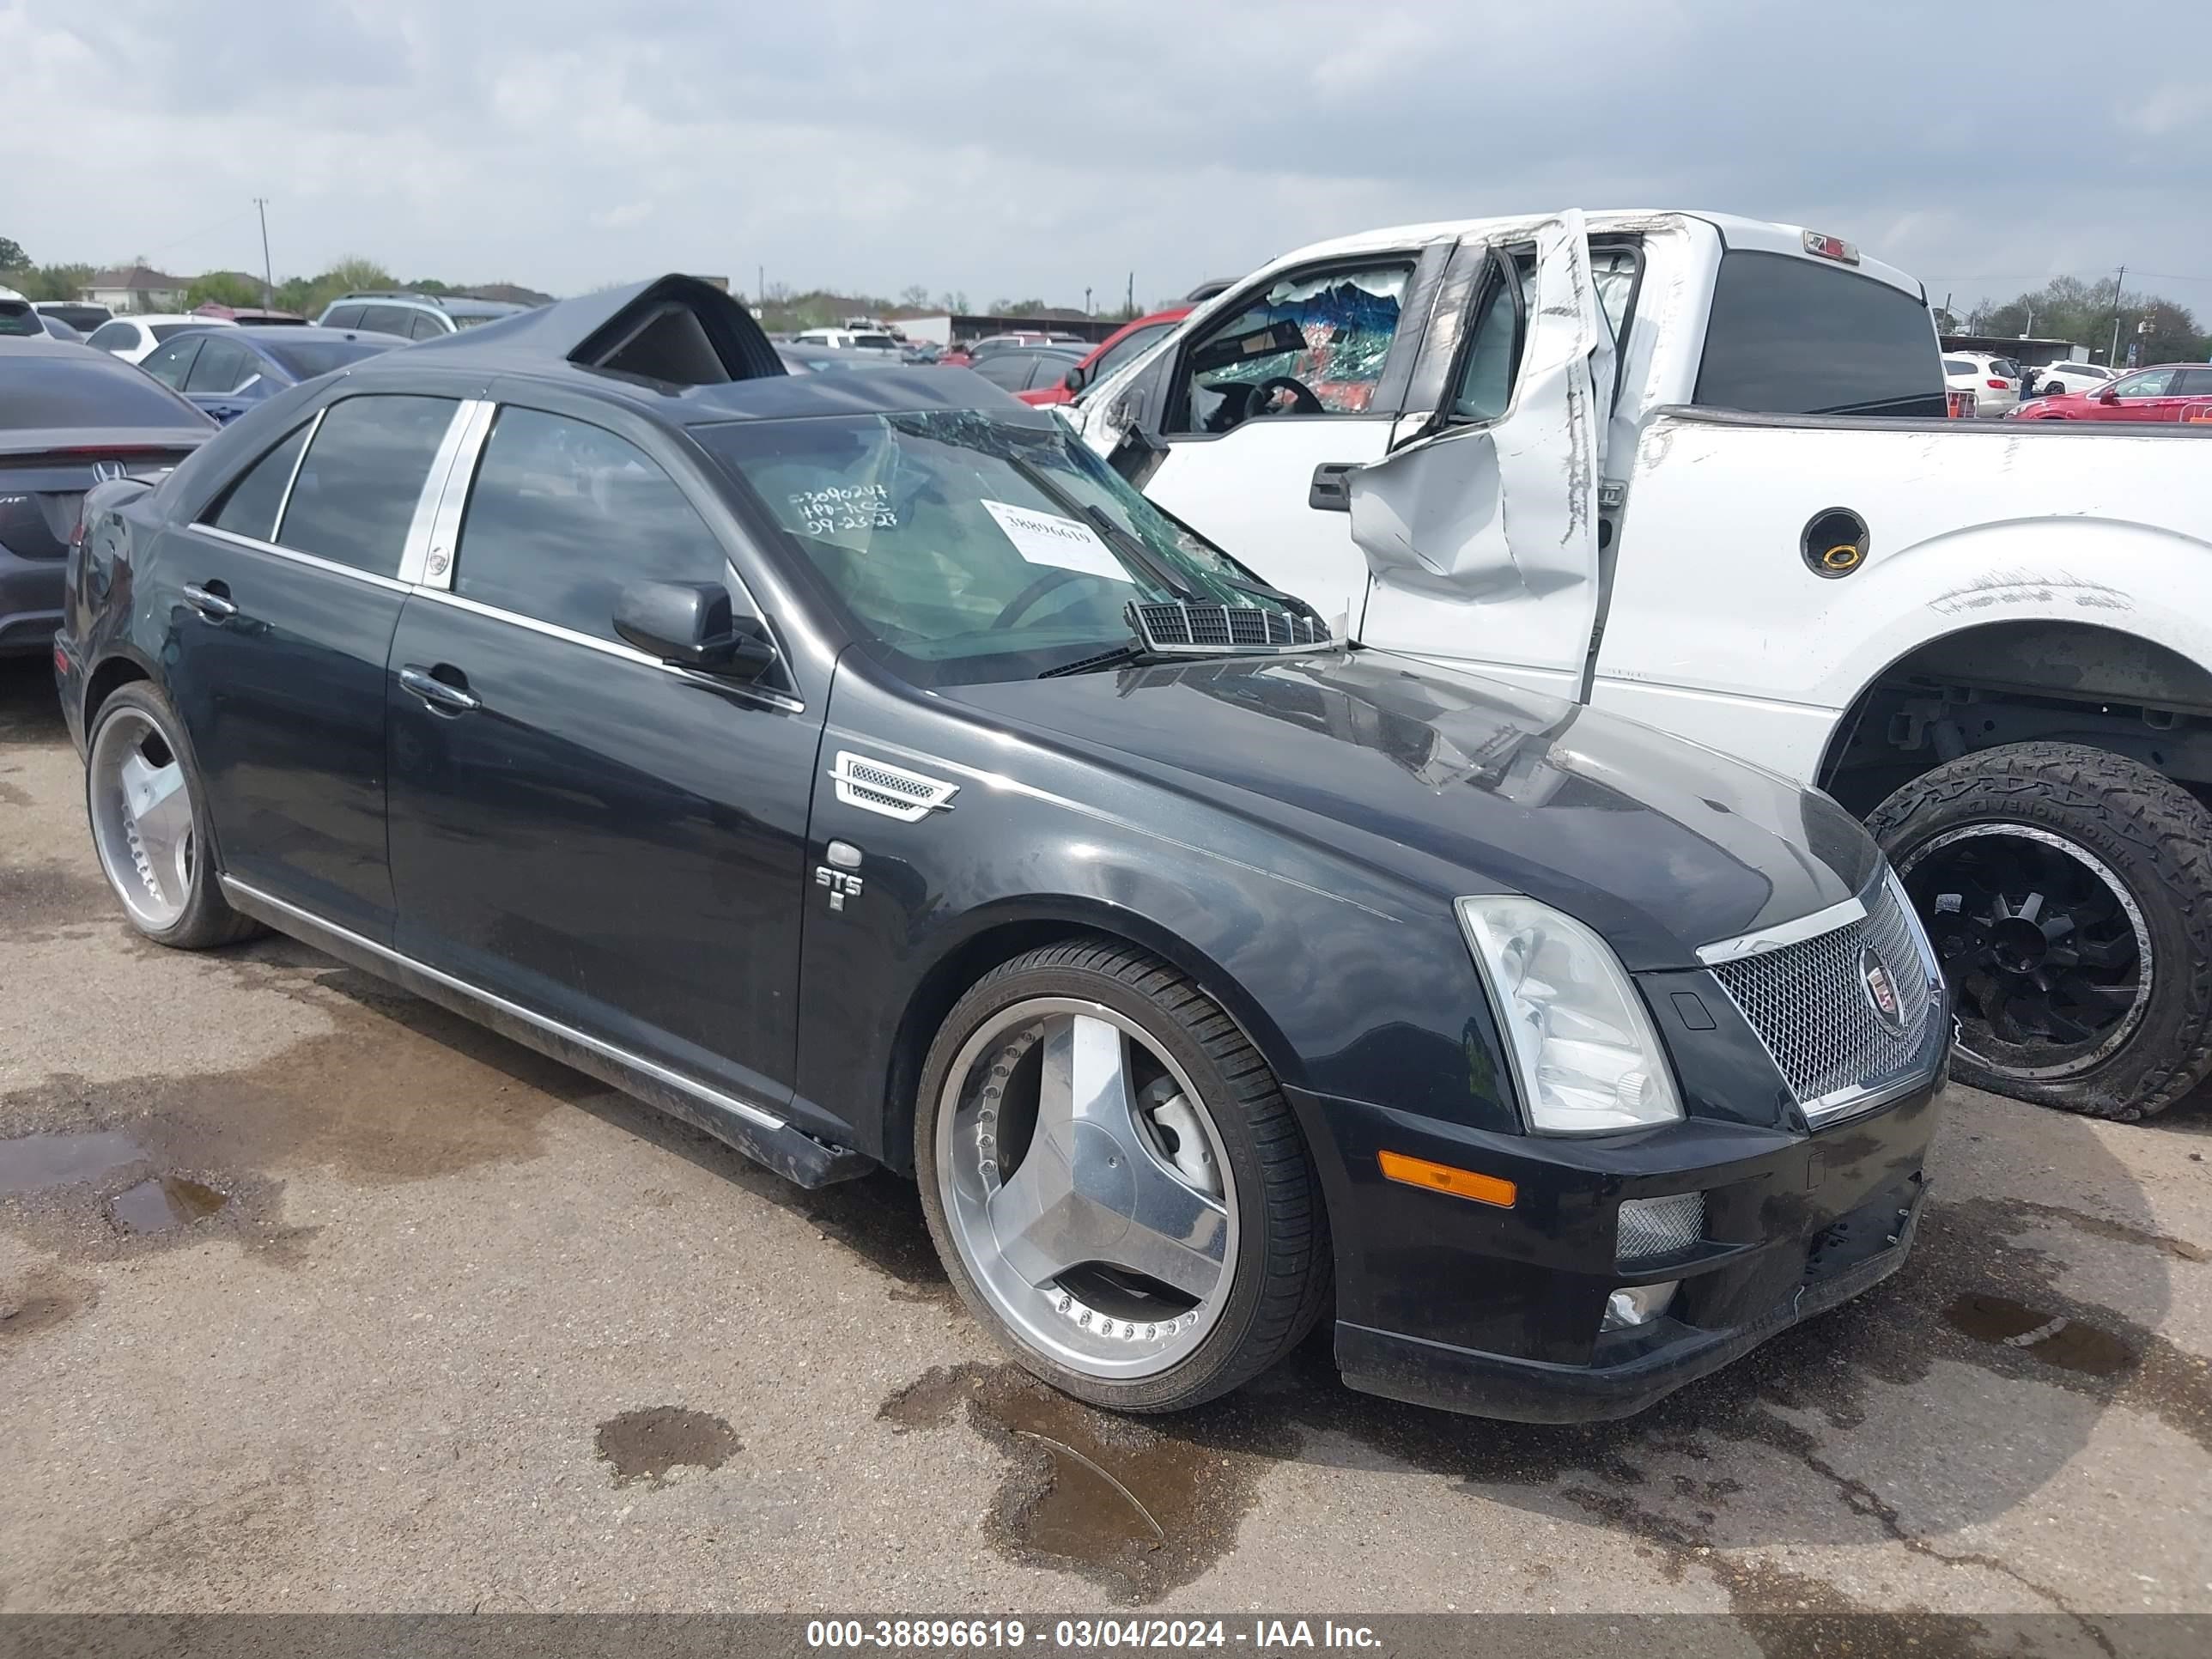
[[1442, 1178]]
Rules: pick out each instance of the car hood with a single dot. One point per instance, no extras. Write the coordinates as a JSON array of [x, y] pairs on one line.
[[1466, 785]]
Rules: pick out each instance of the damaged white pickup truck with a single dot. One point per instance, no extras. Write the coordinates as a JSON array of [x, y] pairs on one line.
[[1692, 469]]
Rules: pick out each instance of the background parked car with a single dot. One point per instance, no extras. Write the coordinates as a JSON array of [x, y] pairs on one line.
[[1995, 381], [413, 316], [848, 339], [132, 338], [253, 315], [225, 372], [17, 319], [1124, 346], [69, 418], [2167, 391], [81, 315], [1021, 369], [2054, 377], [815, 360]]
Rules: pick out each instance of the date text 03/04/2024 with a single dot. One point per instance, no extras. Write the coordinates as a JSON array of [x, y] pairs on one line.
[[1079, 1634]]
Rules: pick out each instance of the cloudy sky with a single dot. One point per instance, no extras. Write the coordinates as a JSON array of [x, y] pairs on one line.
[[1030, 147]]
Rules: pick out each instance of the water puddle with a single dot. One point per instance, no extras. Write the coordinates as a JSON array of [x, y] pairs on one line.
[[654, 1445], [2051, 1338], [1125, 1503], [162, 1202], [30, 1162]]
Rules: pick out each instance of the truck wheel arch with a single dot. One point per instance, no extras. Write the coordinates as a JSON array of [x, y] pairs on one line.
[[2029, 678]]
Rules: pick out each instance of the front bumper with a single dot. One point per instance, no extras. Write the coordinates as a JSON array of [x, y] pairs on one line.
[[1497, 1311], [30, 603]]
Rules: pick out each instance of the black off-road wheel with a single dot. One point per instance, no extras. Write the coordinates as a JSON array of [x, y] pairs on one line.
[[2067, 892], [1116, 1185]]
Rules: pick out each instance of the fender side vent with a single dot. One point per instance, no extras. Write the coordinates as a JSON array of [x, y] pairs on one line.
[[875, 785]]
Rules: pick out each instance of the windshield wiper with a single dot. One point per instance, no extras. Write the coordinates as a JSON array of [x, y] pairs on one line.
[[1120, 656], [1132, 547]]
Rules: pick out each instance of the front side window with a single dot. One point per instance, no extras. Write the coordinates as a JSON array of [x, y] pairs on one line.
[[115, 336], [971, 546], [249, 507], [1313, 343], [1790, 336], [17, 319], [564, 516], [344, 317], [2152, 383], [357, 487], [1010, 369], [170, 364]]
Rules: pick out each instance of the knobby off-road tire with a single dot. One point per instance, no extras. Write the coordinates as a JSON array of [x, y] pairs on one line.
[[2112, 863]]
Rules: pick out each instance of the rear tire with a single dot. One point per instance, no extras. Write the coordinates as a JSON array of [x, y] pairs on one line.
[[2068, 892], [1277, 1274], [150, 824]]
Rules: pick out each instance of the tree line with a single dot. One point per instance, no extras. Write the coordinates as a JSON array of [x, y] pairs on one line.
[[305, 296], [2083, 311]]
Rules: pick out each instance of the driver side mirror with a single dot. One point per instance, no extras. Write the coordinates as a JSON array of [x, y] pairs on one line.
[[2109, 395], [1072, 382], [693, 625]]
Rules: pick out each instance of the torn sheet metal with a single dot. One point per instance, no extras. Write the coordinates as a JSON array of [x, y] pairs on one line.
[[1482, 510]]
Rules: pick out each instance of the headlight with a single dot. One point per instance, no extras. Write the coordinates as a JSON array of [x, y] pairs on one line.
[[1583, 1047]]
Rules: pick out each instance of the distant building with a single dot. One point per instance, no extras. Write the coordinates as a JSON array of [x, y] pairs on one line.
[[135, 289], [2029, 354]]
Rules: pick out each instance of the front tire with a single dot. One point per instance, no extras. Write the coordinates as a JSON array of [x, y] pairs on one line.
[[2069, 893], [1116, 1185], [150, 824]]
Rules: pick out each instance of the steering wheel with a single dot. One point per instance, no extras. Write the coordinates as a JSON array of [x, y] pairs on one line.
[[1027, 599], [1302, 400]]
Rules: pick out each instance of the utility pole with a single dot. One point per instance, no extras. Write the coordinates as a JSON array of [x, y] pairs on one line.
[[1086, 302], [1131, 302], [268, 274], [760, 293], [2118, 288]]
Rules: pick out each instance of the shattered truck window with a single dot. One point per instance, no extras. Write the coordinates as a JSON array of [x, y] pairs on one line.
[[1308, 346]]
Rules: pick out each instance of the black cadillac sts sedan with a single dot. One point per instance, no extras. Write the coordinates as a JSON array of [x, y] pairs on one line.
[[855, 767]]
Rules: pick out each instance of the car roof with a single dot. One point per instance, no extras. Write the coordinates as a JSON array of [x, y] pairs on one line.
[[1759, 235], [171, 317], [591, 343]]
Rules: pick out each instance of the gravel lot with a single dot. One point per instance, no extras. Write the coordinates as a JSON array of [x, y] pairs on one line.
[[324, 1299]]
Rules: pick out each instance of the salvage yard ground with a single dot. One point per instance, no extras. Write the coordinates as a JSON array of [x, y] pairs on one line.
[[313, 1296]]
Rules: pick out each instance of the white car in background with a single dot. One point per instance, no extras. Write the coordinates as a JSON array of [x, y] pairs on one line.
[[847, 339], [1995, 381], [132, 337], [2072, 377]]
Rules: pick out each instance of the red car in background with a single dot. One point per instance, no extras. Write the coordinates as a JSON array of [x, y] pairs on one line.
[[1118, 349], [2169, 392]]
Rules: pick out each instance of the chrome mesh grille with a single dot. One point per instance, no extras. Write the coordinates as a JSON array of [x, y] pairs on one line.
[[892, 790], [1659, 1226], [1215, 627], [1809, 1002]]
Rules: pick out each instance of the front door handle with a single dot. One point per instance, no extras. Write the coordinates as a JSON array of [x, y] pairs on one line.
[[1331, 488], [438, 694], [210, 601]]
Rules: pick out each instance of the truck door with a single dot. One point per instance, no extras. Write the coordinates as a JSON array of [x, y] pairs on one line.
[[1248, 430], [1481, 532]]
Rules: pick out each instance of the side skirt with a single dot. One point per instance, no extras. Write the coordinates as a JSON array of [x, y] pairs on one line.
[[758, 1134]]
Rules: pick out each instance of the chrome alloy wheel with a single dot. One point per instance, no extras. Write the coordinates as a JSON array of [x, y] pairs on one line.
[[1085, 1187], [141, 819]]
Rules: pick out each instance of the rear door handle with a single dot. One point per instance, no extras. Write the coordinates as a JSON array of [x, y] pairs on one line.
[[1331, 489], [453, 699], [210, 601]]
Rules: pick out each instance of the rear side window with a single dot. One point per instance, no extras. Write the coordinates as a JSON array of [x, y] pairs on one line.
[[17, 319], [1799, 337], [1957, 366], [249, 507], [222, 366], [564, 515], [423, 325], [1010, 369], [357, 487], [2193, 383], [344, 317], [115, 336], [387, 320], [170, 364]]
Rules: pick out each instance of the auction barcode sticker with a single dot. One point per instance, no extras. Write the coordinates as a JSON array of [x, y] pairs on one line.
[[1048, 538]]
